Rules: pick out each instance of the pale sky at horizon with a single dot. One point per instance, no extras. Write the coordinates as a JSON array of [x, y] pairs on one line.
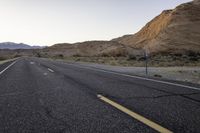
[[47, 22]]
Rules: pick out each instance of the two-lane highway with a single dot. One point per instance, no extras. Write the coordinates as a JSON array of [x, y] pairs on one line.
[[40, 95]]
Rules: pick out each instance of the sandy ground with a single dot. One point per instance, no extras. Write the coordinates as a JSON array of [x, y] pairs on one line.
[[4, 61], [186, 74]]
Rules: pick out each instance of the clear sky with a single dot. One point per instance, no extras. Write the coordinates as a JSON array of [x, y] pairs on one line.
[[46, 22]]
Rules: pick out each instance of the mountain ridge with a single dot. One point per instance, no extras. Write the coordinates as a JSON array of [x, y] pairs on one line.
[[13, 46]]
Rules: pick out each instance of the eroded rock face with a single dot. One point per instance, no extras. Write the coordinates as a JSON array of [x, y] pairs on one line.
[[197, 1], [176, 30]]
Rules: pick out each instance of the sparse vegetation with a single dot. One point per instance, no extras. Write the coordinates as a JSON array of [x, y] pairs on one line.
[[154, 61], [38, 55], [77, 55], [131, 57], [157, 76], [17, 56], [61, 56]]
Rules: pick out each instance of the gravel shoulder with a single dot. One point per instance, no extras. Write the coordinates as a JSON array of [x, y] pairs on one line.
[[186, 74]]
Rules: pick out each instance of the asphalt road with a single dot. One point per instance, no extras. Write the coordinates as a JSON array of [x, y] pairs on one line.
[[44, 96]]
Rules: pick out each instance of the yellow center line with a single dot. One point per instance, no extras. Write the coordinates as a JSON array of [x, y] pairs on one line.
[[136, 116]]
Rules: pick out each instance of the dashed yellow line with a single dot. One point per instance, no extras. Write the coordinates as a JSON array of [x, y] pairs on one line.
[[136, 116]]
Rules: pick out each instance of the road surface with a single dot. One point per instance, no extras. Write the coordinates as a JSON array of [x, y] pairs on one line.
[[45, 96]]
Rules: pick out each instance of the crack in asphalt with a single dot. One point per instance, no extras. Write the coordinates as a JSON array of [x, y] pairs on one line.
[[91, 91], [48, 111], [12, 94], [152, 97]]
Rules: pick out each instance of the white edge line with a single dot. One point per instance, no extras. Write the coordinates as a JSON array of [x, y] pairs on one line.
[[158, 81], [50, 70], [7, 67], [148, 79]]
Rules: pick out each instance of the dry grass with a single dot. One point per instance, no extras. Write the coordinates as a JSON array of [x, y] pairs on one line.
[[156, 61]]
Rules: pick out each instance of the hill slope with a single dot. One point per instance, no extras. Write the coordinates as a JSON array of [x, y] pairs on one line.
[[88, 48], [173, 31]]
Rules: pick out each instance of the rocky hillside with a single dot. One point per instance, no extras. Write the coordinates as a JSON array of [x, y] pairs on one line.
[[173, 31], [88, 48]]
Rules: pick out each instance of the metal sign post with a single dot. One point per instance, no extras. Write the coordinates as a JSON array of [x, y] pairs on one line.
[[146, 62]]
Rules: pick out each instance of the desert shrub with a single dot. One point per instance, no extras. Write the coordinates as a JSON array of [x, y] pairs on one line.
[[58, 56], [114, 53], [61, 56], [38, 55], [141, 58], [15, 56], [157, 75], [2, 58], [192, 54], [119, 55], [106, 55], [131, 57], [175, 58], [194, 58], [76, 55], [78, 59], [184, 56], [178, 54]]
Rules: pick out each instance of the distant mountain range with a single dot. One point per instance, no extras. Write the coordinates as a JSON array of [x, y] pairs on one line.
[[11, 45]]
